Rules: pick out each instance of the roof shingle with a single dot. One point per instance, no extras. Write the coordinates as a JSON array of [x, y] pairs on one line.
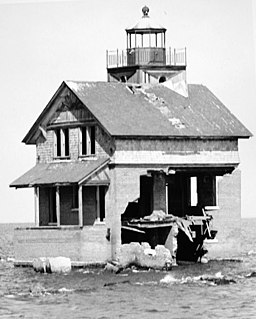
[[157, 110], [58, 173]]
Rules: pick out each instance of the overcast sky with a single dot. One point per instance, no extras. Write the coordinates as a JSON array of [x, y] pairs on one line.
[[46, 42]]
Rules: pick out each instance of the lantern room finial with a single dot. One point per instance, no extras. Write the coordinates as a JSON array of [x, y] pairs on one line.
[[145, 11]]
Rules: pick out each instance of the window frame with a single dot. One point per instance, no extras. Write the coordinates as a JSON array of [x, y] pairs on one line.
[[87, 140], [61, 143]]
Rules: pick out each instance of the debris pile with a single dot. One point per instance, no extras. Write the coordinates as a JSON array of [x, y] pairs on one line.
[[141, 255], [52, 264]]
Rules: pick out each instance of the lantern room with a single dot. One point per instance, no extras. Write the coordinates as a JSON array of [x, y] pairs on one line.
[[146, 58], [146, 42]]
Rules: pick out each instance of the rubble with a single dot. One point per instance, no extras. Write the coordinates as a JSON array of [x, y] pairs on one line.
[[141, 255], [52, 264]]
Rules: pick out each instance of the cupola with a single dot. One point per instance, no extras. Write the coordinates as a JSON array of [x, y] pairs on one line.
[[146, 58]]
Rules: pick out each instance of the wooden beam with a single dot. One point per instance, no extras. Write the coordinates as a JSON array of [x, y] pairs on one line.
[[98, 202], [36, 197], [80, 205]]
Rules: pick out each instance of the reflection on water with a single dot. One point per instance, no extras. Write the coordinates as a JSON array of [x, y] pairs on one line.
[[195, 291]]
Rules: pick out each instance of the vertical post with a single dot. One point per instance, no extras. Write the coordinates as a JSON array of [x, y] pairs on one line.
[[58, 205], [166, 198], [98, 202], [174, 57], [107, 58], [36, 196], [80, 205], [117, 57]]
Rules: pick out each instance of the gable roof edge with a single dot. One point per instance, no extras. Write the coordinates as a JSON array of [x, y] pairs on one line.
[[99, 123], [27, 138]]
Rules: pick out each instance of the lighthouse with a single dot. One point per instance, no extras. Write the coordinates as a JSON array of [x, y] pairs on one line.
[[146, 58]]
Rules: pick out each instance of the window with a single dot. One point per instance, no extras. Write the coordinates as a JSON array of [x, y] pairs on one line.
[[193, 191], [87, 140], [204, 190], [61, 142]]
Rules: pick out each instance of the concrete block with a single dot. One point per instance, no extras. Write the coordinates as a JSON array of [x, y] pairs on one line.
[[59, 264]]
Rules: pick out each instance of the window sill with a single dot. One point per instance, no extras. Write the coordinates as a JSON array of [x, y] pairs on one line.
[[87, 156], [209, 208], [98, 222], [61, 158], [52, 224]]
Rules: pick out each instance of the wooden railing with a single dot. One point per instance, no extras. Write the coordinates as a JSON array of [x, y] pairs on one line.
[[146, 56]]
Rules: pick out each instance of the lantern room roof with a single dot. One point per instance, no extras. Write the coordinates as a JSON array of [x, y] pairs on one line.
[[146, 24]]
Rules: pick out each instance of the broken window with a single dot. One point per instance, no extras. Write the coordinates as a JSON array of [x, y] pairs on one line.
[[87, 140], [61, 142]]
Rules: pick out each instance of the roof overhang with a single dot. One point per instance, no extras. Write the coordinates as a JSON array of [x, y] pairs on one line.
[[63, 173]]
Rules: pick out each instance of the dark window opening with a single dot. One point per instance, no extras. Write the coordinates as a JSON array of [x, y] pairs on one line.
[[84, 140], [162, 79], [58, 142], [66, 138], [123, 79], [61, 142], [102, 202], [88, 140], [92, 139]]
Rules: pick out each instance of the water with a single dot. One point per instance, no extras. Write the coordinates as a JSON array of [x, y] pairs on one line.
[[131, 294]]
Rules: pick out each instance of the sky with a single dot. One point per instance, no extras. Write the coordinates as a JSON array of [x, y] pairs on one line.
[[46, 42]]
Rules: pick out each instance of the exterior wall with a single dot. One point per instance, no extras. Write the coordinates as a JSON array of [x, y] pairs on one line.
[[227, 220], [159, 192], [124, 188], [88, 245], [104, 145], [176, 145], [44, 148]]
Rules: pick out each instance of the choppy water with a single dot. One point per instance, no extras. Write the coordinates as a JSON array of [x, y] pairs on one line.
[[131, 294]]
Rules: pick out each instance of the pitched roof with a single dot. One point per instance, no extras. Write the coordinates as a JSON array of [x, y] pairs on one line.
[[59, 173], [124, 110], [157, 110], [146, 25]]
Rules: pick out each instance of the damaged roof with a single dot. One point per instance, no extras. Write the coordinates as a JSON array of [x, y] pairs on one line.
[[125, 110], [157, 110], [61, 173]]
